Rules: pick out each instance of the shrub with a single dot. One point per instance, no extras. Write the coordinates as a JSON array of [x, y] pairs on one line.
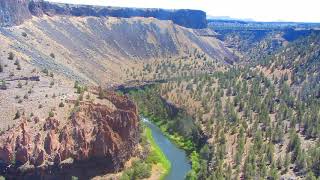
[[17, 63], [40, 106], [52, 55], [11, 56], [76, 84], [61, 104], [101, 93], [19, 67], [51, 83], [17, 115], [24, 34], [51, 114], [1, 68], [19, 85], [139, 170], [3, 85], [45, 71]]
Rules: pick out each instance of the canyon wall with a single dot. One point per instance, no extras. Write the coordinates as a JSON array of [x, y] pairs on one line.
[[14, 12], [96, 139]]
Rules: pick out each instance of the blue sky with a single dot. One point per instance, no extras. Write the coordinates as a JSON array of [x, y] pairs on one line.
[[259, 10]]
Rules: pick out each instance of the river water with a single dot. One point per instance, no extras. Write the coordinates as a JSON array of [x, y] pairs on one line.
[[180, 165]]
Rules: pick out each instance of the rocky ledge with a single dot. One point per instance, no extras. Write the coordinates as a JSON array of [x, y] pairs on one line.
[[96, 139], [14, 12]]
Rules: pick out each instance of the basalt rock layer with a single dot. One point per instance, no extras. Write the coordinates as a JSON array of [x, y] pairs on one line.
[[96, 139], [14, 12]]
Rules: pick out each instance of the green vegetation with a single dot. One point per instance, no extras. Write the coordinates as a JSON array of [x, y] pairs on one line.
[[177, 126], [156, 155], [51, 114], [242, 108], [139, 170], [142, 168]]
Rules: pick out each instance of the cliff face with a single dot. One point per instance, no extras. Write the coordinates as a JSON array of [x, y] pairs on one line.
[[14, 12], [96, 138]]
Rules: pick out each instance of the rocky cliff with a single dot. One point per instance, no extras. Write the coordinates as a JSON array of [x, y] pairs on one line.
[[96, 139], [14, 12]]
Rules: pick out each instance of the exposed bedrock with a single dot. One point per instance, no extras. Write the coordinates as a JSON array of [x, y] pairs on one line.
[[14, 12], [95, 140]]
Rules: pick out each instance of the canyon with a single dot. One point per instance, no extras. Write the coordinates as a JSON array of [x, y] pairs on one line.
[[55, 120], [240, 98]]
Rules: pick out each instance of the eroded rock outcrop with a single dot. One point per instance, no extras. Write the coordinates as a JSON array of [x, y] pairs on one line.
[[95, 137]]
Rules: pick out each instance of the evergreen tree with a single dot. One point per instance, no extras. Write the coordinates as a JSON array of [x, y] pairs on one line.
[[273, 173]]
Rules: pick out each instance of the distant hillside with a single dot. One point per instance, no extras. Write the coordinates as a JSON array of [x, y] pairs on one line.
[[257, 44], [101, 49], [302, 57]]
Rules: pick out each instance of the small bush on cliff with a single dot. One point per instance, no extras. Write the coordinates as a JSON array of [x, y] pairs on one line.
[[11, 56], [24, 34], [52, 55], [45, 71], [3, 85], [61, 104], [80, 89], [101, 93], [19, 85], [17, 116], [51, 114]]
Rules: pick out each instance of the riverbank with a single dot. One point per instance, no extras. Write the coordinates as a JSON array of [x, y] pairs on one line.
[[156, 155], [174, 123], [180, 164], [154, 165], [186, 144]]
